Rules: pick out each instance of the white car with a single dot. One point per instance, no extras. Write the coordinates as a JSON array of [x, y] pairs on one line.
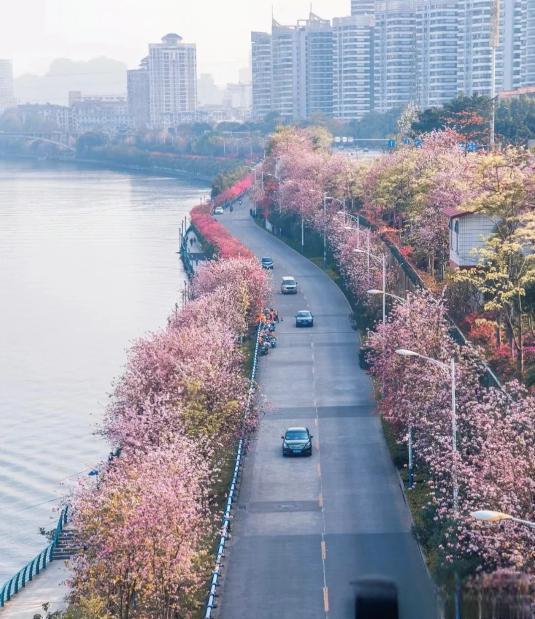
[[218, 210], [288, 285]]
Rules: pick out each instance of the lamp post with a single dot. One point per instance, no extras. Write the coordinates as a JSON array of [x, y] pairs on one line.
[[354, 218], [450, 368], [487, 515], [382, 260]]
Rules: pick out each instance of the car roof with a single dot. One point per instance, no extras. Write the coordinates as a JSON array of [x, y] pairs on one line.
[[266, 258], [304, 312], [297, 429], [288, 277]]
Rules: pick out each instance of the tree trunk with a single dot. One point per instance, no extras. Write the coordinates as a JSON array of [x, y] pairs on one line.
[[520, 339]]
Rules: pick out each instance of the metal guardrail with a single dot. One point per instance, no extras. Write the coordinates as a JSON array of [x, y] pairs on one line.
[[233, 491], [36, 565]]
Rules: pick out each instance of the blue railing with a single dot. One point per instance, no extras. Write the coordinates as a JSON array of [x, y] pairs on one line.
[[33, 567], [233, 492]]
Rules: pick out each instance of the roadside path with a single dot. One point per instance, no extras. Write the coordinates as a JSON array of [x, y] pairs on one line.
[[49, 587], [305, 528]]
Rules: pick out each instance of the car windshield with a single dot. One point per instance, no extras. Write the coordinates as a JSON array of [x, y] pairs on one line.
[[294, 435], [266, 259], [289, 281], [304, 314]]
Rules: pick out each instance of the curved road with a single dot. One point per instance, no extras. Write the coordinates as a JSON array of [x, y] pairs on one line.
[[306, 527]]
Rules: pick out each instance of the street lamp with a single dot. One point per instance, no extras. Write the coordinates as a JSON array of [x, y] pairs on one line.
[[388, 294], [382, 260], [450, 368], [354, 218], [487, 515]]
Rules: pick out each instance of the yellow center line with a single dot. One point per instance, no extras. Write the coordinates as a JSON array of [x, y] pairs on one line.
[[320, 500], [323, 551], [326, 599], [318, 468]]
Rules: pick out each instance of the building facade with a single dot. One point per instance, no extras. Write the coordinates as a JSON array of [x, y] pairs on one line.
[[106, 113], [393, 52], [353, 71], [7, 94], [362, 7], [436, 52], [44, 117], [288, 96], [172, 68], [261, 62], [394, 64], [317, 38], [138, 95]]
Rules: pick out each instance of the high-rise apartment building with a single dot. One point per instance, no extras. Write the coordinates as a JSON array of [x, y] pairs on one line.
[[436, 52], [138, 96], [261, 62], [362, 7], [172, 70], [474, 54], [392, 52], [394, 61], [352, 66], [528, 72], [317, 37], [7, 95], [301, 68], [287, 74]]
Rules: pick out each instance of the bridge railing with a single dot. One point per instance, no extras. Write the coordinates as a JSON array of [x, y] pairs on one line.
[[36, 565], [232, 495]]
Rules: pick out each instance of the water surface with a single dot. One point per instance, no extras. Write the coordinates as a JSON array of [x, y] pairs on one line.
[[87, 263]]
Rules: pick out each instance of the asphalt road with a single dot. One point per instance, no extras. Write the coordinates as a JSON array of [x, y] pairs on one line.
[[306, 527]]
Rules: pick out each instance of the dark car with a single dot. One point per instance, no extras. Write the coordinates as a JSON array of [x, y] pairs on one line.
[[297, 442], [304, 318], [266, 262], [376, 598]]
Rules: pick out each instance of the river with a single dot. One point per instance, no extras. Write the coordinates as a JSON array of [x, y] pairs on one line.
[[88, 263]]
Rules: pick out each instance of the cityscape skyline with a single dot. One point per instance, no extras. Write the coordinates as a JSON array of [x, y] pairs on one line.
[[76, 30]]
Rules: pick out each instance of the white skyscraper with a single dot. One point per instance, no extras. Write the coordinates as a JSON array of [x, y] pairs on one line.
[[288, 86], [302, 68], [352, 66], [317, 37], [394, 61], [261, 69], [474, 65], [7, 97], [172, 81], [436, 52], [362, 7]]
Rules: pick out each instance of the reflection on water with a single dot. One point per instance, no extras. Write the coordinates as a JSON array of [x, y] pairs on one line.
[[87, 263]]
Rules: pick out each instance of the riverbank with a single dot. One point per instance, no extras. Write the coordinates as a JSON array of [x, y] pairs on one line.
[[112, 166]]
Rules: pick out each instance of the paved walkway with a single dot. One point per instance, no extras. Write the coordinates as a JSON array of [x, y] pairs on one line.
[[305, 528], [49, 587], [195, 250]]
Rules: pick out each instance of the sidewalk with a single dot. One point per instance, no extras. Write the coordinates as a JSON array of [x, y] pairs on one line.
[[49, 587], [195, 251]]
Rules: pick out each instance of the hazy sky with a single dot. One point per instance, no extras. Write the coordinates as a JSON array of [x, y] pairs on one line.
[[34, 32]]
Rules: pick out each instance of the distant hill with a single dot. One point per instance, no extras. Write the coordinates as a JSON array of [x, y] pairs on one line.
[[98, 76]]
